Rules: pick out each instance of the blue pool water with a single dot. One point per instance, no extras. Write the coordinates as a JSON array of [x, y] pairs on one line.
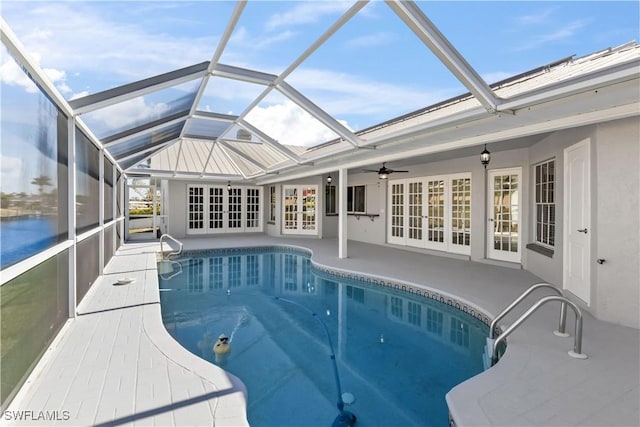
[[24, 237], [397, 353]]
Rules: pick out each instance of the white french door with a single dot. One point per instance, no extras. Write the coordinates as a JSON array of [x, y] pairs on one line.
[[504, 230], [300, 209], [437, 224], [431, 212], [215, 209], [396, 209], [577, 232]]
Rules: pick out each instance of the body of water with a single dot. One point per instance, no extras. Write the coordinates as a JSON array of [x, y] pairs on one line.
[[24, 237], [397, 353]]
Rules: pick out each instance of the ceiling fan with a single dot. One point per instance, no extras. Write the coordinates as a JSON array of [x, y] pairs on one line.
[[383, 172]]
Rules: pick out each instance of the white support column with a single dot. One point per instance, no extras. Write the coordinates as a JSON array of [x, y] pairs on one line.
[[342, 213], [71, 203]]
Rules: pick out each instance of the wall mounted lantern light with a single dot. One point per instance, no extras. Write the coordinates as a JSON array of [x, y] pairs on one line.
[[329, 179], [485, 156], [229, 187]]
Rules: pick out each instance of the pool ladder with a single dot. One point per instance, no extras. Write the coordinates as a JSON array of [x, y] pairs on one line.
[[173, 252], [491, 356]]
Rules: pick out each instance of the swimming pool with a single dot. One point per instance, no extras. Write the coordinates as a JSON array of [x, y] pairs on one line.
[[397, 353]]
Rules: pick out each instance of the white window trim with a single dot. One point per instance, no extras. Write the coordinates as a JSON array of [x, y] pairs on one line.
[[535, 202]]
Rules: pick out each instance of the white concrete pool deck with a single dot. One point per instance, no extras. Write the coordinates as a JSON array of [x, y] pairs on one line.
[[115, 364]]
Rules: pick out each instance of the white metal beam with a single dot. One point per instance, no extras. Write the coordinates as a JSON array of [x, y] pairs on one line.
[[142, 130], [426, 30], [243, 75], [147, 149], [140, 88], [244, 156]]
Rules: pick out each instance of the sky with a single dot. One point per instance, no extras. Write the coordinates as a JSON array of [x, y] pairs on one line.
[[373, 69]]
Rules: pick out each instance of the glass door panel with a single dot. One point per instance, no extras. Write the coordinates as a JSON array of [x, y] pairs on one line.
[[290, 209], [234, 208], [460, 192], [309, 209], [195, 210], [253, 209], [436, 219], [216, 208], [396, 209], [414, 214], [504, 217]]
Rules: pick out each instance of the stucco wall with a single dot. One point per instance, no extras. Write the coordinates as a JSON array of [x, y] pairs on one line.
[[550, 269], [178, 214], [617, 217]]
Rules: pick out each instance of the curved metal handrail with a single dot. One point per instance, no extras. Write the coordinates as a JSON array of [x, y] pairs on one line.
[[577, 343], [563, 309], [178, 252]]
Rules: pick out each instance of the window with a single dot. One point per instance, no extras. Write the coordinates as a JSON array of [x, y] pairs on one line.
[[545, 203], [414, 313], [356, 202], [108, 190], [87, 183], [396, 307], [272, 204], [33, 187], [330, 200]]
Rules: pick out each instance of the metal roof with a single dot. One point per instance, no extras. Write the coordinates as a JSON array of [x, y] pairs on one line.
[[181, 140]]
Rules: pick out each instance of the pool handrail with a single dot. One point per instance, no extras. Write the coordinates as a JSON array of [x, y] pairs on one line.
[[563, 309], [577, 343], [178, 252]]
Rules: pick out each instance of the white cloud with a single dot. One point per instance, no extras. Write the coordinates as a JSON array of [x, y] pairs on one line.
[[371, 40], [11, 171], [541, 17], [288, 124], [342, 94], [12, 75], [122, 51], [566, 32], [306, 13], [128, 113]]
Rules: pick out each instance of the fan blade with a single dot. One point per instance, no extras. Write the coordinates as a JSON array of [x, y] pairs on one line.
[[369, 170], [394, 170]]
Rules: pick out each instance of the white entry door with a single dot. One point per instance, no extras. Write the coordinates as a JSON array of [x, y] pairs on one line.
[[577, 232], [504, 214]]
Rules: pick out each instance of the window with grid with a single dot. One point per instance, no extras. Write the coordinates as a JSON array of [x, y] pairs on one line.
[[414, 313], [330, 199], [253, 207], [435, 320], [396, 307], [196, 208], [356, 201], [459, 333], [545, 203]]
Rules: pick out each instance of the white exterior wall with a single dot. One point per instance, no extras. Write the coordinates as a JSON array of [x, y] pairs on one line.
[[177, 199], [616, 213]]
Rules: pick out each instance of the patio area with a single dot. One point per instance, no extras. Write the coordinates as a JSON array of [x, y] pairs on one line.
[[115, 364]]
